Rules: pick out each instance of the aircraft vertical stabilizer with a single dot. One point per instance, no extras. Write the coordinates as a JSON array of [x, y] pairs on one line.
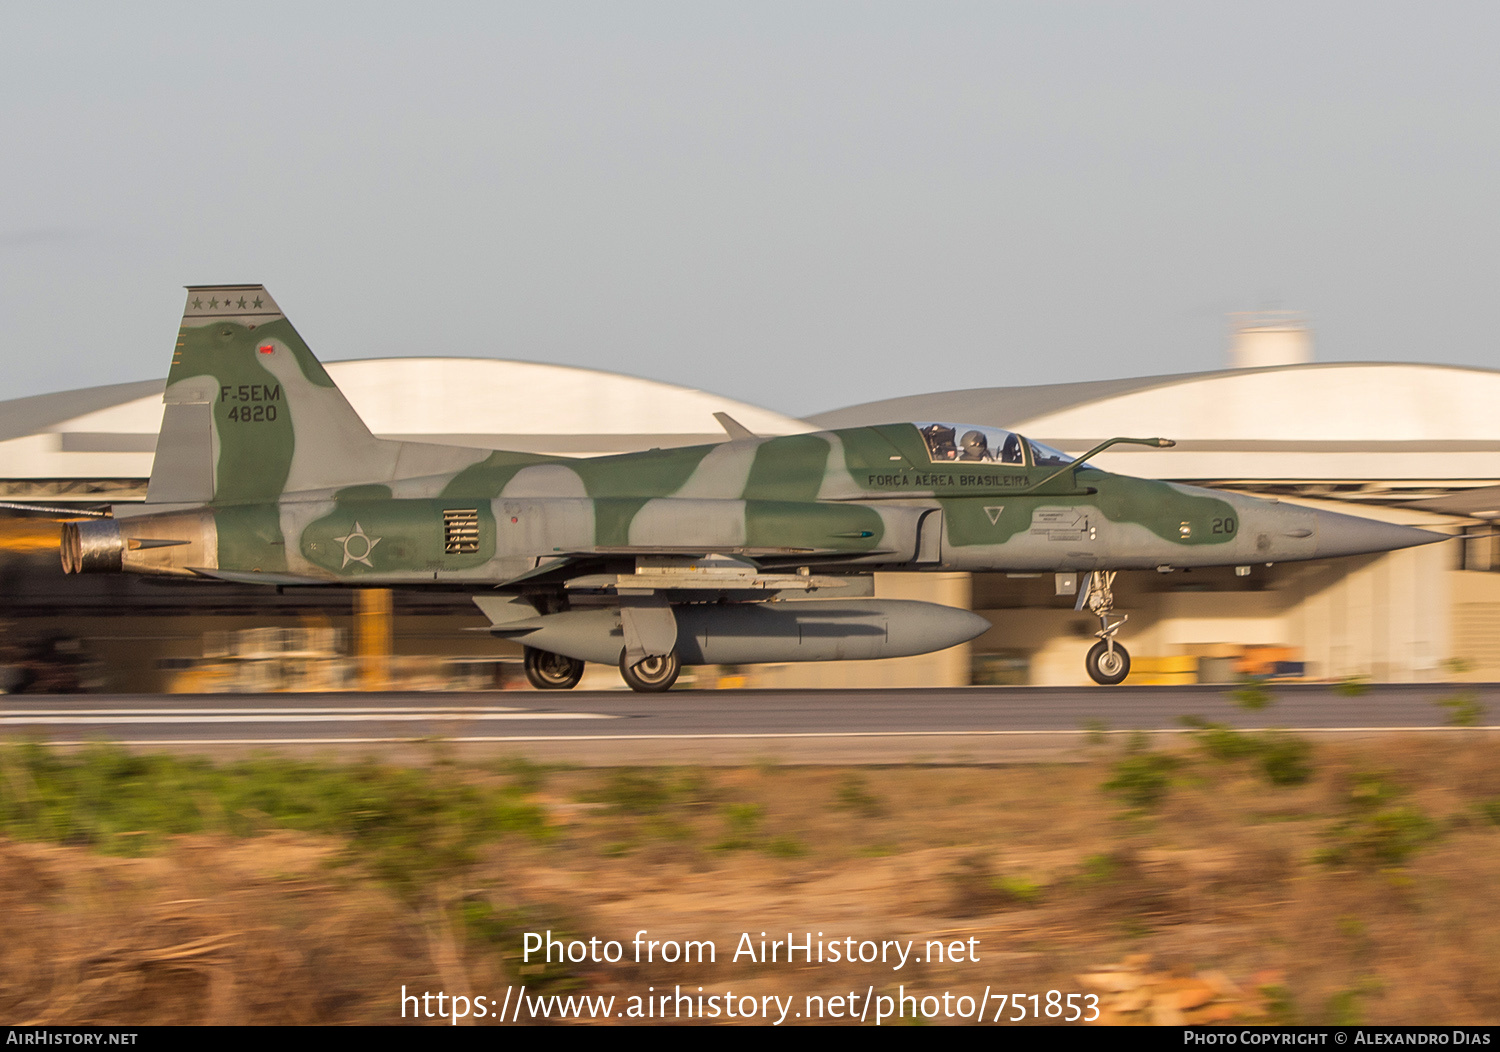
[[251, 413]]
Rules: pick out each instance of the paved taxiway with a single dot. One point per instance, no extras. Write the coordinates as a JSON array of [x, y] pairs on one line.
[[983, 725]]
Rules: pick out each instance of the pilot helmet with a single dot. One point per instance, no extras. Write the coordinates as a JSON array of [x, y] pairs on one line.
[[975, 445]]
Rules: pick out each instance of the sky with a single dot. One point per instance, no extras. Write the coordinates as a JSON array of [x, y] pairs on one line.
[[800, 205]]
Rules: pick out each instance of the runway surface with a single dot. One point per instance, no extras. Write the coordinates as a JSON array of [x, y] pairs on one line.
[[964, 725]]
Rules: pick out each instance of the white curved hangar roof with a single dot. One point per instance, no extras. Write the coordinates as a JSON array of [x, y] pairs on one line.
[[1318, 421], [110, 432]]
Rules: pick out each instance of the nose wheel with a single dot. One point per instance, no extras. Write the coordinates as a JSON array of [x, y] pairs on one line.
[[653, 675], [549, 671], [1108, 662]]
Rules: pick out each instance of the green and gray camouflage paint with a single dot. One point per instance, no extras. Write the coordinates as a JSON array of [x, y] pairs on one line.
[[264, 472], [256, 431]]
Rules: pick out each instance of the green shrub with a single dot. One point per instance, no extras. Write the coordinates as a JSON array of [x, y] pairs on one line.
[[408, 826], [977, 888], [1464, 709], [785, 847], [1286, 759], [1252, 694], [1222, 742], [631, 790], [1098, 869], [1142, 779], [744, 822], [853, 794], [1376, 832], [1280, 1009]]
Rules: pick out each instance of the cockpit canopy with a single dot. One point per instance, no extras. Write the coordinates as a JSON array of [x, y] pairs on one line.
[[978, 443], [954, 442]]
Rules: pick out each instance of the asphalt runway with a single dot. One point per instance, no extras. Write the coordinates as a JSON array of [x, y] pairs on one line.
[[964, 725]]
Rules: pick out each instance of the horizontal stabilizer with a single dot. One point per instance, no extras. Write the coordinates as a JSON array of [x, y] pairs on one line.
[[55, 511]]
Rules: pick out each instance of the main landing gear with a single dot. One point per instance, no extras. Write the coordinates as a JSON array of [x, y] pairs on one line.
[[1108, 662], [653, 675], [549, 671]]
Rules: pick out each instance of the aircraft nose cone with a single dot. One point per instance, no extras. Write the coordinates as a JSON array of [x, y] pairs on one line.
[[1353, 535]]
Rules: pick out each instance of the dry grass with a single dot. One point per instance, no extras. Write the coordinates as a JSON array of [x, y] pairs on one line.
[[210, 932], [1285, 888]]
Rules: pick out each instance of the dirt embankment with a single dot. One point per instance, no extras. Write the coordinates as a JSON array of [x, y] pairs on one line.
[[1170, 889]]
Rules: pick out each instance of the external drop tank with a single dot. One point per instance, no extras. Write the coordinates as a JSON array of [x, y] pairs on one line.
[[748, 633]]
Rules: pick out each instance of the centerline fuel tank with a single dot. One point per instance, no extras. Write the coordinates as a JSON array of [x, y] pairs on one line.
[[747, 633]]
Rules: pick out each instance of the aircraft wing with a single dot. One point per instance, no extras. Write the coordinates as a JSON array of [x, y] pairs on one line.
[[739, 551], [733, 569]]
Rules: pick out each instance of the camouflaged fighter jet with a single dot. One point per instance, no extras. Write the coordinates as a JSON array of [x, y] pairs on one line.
[[650, 560]]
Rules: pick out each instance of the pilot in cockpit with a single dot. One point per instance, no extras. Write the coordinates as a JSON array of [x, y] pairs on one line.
[[939, 440], [975, 446]]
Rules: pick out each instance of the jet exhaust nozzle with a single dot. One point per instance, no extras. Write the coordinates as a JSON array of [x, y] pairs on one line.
[[176, 543], [95, 546]]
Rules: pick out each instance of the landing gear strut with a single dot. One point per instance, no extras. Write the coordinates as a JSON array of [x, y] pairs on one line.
[[1108, 662], [549, 671], [653, 675]]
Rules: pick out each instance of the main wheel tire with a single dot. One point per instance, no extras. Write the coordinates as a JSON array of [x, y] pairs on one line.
[[1107, 667], [653, 675], [549, 671]]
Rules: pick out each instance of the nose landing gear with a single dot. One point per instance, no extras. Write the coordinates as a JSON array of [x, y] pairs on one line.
[[1108, 662]]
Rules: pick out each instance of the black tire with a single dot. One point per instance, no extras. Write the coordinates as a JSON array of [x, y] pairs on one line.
[[1107, 668], [549, 671], [652, 676]]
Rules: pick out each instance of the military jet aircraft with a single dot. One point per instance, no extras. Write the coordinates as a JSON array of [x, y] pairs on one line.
[[752, 550]]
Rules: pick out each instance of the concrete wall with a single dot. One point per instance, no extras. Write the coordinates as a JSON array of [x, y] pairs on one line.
[[1475, 625]]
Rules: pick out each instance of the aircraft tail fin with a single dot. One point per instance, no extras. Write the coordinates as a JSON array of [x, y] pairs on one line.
[[252, 414]]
